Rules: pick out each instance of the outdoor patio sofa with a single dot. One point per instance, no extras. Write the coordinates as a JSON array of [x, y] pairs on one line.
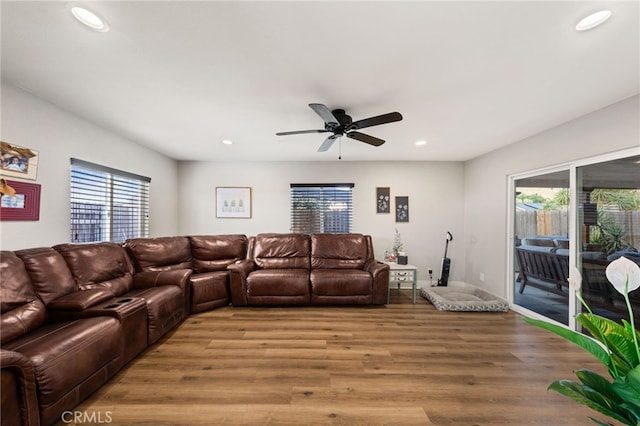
[[543, 263]]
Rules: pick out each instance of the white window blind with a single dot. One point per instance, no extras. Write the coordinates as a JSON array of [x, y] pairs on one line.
[[107, 204], [321, 208]]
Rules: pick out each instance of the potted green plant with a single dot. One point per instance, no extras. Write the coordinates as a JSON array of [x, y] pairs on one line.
[[613, 344]]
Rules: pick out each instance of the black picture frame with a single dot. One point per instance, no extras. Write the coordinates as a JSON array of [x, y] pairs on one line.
[[402, 209], [383, 200]]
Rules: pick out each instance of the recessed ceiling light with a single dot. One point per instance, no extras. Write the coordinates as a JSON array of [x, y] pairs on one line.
[[89, 18], [593, 20], [421, 143], [227, 142]]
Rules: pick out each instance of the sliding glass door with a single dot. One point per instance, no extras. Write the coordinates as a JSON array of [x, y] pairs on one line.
[[542, 244], [552, 232], [609, 227]]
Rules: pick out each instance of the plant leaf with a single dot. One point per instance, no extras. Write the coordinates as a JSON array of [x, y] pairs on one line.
[[585, 342], [599, 384], [615, 337], [591, 398], [630, 329], [633, 410], [628, 388]]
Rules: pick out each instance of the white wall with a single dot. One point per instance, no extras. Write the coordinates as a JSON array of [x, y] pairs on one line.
[[610, 129], [435, 190], [57, 135], [470, 199]]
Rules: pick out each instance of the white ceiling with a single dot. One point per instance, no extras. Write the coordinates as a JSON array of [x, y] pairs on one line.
[[468, 77]]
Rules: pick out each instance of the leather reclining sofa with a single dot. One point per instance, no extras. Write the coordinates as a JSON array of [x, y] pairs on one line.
[[72, 315], [298, 269]]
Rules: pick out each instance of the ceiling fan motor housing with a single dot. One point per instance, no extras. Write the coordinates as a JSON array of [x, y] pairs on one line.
[[344, 120], [342, 117]]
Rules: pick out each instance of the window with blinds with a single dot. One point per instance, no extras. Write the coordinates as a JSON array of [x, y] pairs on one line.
[[107, 204], [321, 208]]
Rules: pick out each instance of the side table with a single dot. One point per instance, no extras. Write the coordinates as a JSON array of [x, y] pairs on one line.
[[399, 274]]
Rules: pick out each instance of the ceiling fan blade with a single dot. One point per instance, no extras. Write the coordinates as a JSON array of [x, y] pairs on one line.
[[327, 143], [325, 113], [375, 121], [371, 140], [300, 132]]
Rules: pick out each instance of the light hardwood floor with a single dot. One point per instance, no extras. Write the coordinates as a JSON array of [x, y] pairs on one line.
[[401, 364]]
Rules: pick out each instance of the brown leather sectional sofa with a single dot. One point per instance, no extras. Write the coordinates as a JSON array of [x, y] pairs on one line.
[[73, 315]]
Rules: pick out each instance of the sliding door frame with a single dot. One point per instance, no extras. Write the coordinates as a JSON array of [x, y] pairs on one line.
[[574, 224]]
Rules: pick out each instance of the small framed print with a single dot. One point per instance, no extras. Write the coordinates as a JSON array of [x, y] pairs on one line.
[[23, 205], [383, 200], [233, 202], [402, 209], [18, 162]]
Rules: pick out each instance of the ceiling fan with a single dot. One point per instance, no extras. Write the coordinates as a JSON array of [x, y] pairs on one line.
[[341, 124]]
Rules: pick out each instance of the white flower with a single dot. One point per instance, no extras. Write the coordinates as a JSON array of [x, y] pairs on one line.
[[576, 281], [622, 273]]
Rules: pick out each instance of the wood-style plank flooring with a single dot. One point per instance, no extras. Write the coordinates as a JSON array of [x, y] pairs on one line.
[[401, 364]]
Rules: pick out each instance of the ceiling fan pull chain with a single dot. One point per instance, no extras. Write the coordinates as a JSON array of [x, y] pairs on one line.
[[340, 148]]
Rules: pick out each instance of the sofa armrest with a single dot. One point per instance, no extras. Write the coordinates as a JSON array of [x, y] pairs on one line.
[[238, 273], [19, 400], [148, 279], [80, 300], [380, 273], [116, 307], [177, 277]]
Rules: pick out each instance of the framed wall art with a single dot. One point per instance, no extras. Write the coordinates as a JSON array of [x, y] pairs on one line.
[[233, 202], [402, 209], [18, 162], [383, 200], [23, 205]]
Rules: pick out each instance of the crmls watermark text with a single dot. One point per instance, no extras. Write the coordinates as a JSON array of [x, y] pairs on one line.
[[86, 417]]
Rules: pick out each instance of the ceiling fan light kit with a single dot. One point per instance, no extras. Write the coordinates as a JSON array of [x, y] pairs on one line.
[[340, 124]]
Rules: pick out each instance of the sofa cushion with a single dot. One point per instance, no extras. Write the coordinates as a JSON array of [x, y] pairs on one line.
[[49, 273], [540, 242], [216, 252], [21, 310], [543, 249], [160, 254], [628, 253], [281, 251], [339, 251], [98, 265]]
